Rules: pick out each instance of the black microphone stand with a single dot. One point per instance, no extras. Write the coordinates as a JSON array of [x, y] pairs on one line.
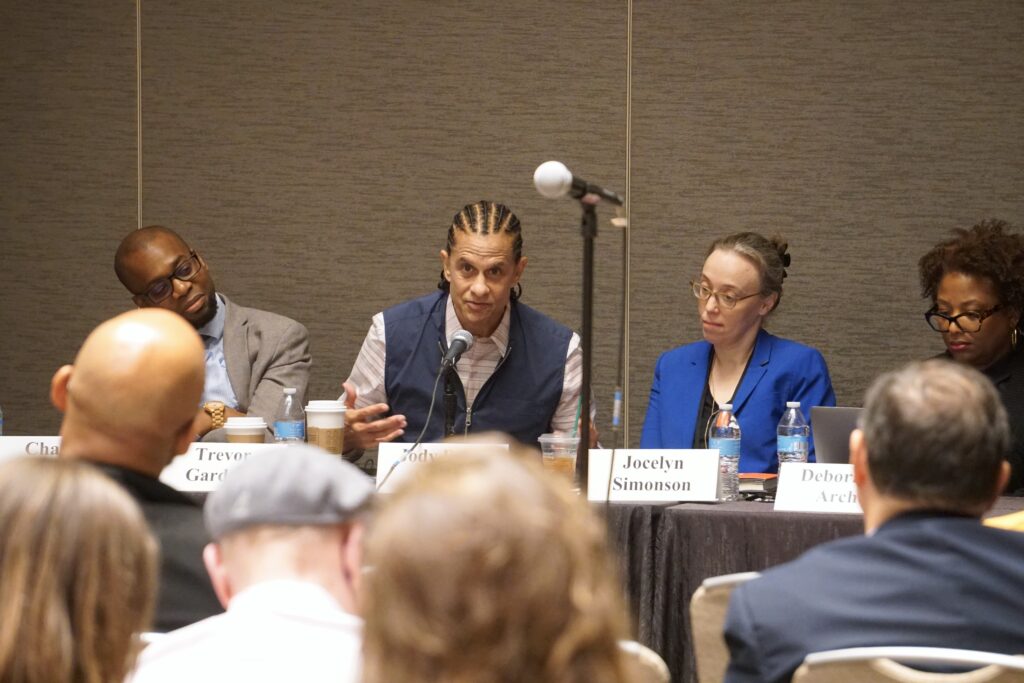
[[588, 227], [449, 400]]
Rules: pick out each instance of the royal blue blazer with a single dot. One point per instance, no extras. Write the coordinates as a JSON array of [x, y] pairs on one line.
[[779, 370]]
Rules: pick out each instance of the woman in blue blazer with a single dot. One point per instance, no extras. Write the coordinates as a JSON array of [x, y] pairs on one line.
[[738, 362]]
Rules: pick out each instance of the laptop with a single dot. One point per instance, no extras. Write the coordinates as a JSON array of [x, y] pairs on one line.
[[831, 428]]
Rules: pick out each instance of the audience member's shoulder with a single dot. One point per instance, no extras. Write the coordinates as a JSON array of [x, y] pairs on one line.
[[146, 490], [177, 654]]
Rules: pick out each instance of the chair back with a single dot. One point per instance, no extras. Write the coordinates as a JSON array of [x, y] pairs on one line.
[[707, 621], [646, 664], [891, 664]]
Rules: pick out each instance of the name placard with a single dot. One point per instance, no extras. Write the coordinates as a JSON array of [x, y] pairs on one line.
[[203, 466], [392, 458], [653, 475], [817, 487], [14, 446]]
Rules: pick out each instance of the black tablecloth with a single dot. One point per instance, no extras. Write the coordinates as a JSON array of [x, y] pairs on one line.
[[665, 552]]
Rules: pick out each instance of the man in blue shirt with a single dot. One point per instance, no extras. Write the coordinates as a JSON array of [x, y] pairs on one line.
[[251, 355]]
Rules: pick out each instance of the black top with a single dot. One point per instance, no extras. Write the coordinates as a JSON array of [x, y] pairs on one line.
[[185, 595], [1008, 376], [708, 407]]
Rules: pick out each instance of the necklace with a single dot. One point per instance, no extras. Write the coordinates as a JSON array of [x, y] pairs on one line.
[[711, 376]]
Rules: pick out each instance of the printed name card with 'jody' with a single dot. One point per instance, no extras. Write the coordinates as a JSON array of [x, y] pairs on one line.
[[395, 461]]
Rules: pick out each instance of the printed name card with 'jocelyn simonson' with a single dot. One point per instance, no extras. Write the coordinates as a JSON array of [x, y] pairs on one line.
[[652, 475]]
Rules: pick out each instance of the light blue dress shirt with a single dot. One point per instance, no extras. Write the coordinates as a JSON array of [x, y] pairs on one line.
[[218, 386]]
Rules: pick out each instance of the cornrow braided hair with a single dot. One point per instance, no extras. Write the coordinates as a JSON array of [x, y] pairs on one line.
[[486, 218]]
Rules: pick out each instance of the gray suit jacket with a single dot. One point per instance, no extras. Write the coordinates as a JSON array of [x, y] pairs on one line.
[[264, 352]]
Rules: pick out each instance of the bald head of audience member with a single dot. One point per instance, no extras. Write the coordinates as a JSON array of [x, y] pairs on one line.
[[162, 271], [294, 513], [130, 397], [486, 568], [933, 436]]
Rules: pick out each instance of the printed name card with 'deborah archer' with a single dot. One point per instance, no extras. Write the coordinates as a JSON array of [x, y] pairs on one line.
[[204, 465], [653, 475], [396, 461], [14, 446], [817, 487]]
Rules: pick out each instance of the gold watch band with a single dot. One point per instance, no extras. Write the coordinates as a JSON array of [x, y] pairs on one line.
[[215, 409]]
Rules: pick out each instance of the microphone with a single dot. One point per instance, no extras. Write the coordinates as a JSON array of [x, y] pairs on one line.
[[461, 342], [553, 180]]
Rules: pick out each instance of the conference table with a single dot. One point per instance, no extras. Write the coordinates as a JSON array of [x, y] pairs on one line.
[[666, 551]]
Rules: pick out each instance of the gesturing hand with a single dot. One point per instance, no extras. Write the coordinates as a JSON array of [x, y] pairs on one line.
[[362, 428]]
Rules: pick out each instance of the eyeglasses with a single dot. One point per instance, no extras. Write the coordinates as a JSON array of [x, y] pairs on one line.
[[967, 322], [184, 271], [726, 301]]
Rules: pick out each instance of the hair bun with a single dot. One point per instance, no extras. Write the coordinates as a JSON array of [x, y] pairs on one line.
[[781, 246]]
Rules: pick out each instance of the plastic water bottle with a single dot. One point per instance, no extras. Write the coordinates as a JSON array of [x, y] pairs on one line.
[[725, 436], [290, 422], [794, 435]]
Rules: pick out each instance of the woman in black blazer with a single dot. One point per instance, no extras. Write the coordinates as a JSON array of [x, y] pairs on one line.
[[975, 281]]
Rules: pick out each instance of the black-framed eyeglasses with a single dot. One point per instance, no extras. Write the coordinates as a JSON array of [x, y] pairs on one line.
[[184, 271], [969, 321], [725, 300]]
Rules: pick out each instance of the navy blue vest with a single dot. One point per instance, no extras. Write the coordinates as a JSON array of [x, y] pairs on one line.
[[521, 396]]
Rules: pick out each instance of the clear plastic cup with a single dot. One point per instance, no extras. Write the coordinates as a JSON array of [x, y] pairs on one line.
[[558, 453]]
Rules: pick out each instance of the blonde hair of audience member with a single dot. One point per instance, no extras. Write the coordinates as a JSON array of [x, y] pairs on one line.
[[77, 574], [330, 556], [488, 569], [130, 398]]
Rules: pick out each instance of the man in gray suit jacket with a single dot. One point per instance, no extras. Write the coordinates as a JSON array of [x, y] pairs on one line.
[[251, 355], [928, 462]]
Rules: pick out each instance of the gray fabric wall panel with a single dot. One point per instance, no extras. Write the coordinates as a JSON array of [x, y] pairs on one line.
[[67, 158], [317, 151], [861, 131]]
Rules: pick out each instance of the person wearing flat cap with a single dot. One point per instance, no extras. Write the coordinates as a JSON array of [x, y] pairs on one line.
[[287, 528]]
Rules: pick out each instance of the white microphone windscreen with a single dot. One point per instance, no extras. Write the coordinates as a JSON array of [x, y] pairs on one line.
[[552, 179]]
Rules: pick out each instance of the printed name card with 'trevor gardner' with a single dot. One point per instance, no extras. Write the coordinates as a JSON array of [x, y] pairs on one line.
[[653, 475], [205, 464], [817, 487]]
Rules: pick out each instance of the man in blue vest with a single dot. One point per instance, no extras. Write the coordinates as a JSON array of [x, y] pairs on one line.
[[521, 375]]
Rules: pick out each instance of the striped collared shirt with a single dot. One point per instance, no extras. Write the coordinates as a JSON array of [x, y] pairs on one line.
[[475, 367]]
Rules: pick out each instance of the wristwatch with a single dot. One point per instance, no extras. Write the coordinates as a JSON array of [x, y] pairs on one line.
[[215, 409]]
